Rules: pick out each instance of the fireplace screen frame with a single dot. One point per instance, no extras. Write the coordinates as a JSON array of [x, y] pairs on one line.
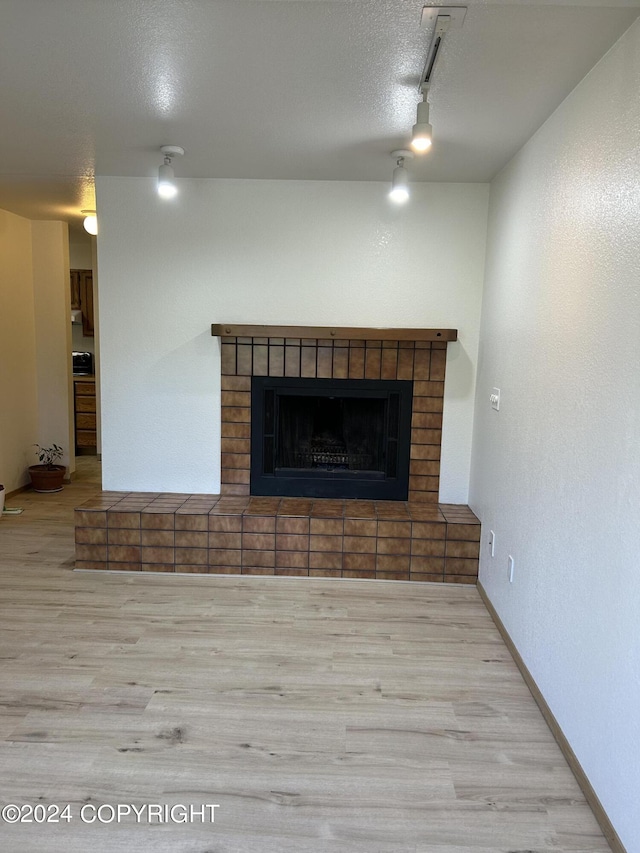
[[390, 484]]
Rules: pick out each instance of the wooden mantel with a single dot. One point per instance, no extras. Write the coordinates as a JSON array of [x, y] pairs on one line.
[[233, 330]]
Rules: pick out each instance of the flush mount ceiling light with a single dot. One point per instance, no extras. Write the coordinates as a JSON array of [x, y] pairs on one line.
[[442, 18], [90, 222], [166, 179], [400, 182]]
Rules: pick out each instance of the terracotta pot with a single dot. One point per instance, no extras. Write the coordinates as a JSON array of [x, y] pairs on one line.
[[45, 479]]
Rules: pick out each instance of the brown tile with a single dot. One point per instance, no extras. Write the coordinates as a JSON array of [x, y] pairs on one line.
[[236, 460], [359, 561], [462, 549], [258, 559], [394, 528], [392, 576], [158, 567], [158, 538], [293, 573], [156, 554], [428, 389], [433, 565], [90, 518], [423, 451], [325, 543], [258, 541], [228, 358], [423, 484], [123, 536], [264, 506], [225, 557], [327, 509], [428, 530], [123, 554], [438, 362], [225, 570], [293, 342], [356, 363], [425, 577], [428, 404], [123, 519], [392, 511], [373, 363], [235, 476], [468, 579], [191, 539], [244, 360], [191, 569], [292, 525], [360, 527], [386, 563], [97, 553], [188, 521], [459, 566], [236, 414], [325, 359], [421, 363], [192, 556], [394, 546], [292, 559], [360, 544], [325, 560], [91, 565], [91, 535], [424, 467], [360, 509], [157, 520], [231, 429], [225, 523], [276, 360], [295, 508], [236, 398], [257, 524], [308, 362], [389, 362], [260, 360], [325, 573], [405, 363], [292, 542], [470, 532], [292, 361], [234, 489], [225, 540], [340, 363], [235, 383], [327, 526], [427, 547], [421, 434], [430, 498], [359, 574], [124, 567], [258, 570]]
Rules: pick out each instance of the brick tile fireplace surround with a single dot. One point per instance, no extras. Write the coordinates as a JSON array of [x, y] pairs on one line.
[[234, 533]]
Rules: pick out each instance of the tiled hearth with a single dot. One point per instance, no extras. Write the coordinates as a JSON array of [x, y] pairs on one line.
[[210, 534], [233, 533]]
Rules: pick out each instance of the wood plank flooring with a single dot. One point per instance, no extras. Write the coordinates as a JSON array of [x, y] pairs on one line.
[[322, 716]]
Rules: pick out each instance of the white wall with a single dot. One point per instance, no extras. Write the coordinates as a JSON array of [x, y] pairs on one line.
[[556, 472], [18, 391], [297, 252]]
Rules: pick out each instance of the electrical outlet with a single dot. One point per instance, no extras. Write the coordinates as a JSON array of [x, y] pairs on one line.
[[492, 543], [510, 568]]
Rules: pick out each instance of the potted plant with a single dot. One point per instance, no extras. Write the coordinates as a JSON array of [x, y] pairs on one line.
[[47, 476]]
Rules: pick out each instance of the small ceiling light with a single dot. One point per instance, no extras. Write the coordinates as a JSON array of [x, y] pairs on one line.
[[166, 179], [422, 132], [400, 181], [90, 222]]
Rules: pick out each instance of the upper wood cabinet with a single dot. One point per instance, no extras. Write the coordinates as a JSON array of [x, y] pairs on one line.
[[82, 298]]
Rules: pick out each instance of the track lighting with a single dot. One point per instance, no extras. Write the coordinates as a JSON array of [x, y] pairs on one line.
[[422, 130], [90, 222], [400, 181], [166, 179]]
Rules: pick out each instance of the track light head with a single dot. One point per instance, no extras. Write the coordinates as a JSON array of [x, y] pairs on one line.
[[166, 178], [90, 223], [421, 135], [399, 192]]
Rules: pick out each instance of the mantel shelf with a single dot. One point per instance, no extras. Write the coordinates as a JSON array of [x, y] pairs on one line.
[[232, 330]]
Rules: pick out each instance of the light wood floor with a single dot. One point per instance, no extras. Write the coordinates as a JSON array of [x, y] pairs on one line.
[[322, 716]]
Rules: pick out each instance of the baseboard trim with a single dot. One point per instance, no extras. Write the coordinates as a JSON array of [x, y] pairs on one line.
[[25, 488], [581, 777]]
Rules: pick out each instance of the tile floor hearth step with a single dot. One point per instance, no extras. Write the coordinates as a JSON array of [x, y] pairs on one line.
[[213, 534]]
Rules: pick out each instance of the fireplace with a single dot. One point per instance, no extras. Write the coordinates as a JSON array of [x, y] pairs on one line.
[[330, 438]]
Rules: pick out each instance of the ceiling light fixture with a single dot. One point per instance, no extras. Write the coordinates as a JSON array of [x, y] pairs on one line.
[[400, 182], [422, 131], [90, 222], [166, 178]]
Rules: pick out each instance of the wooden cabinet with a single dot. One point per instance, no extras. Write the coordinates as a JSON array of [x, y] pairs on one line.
[[82, 298], [84, 395]]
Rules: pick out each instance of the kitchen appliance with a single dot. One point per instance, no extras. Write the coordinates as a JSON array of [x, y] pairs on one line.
[[82, 363]]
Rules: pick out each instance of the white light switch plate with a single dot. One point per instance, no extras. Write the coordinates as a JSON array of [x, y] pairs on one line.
[[495, 399]]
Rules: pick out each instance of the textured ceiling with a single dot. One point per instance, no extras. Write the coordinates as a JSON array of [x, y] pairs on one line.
[[274, 88]]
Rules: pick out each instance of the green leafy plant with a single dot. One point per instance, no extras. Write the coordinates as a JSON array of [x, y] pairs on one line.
[[49, 455]]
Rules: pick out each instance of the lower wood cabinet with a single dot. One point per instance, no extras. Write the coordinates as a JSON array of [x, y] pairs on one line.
[[85, 413]]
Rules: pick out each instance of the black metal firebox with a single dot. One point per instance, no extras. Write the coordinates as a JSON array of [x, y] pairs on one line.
[[347, 438]]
